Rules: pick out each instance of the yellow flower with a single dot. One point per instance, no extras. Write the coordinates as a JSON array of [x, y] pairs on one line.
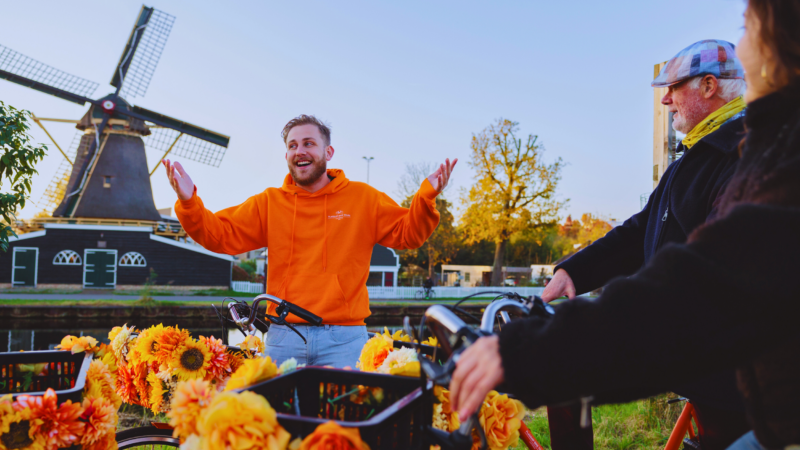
[[100, 384], [159, 394], [147, 343], [170, 339], [252, 371], [241, 421], [398, 335], [431, 341], [447, 419], [501, 418], [120, 341], [397, 359], [190, 398], [253, 344], [78, 344], [190, 361], [374, 353], [410, 369], [18, 430], [332, 436], [100, 417]]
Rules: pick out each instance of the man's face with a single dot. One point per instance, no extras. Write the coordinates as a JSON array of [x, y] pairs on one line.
[[689, 106], [307, 154]]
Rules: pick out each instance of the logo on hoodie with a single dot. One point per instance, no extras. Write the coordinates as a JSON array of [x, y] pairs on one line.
[[339, 215]]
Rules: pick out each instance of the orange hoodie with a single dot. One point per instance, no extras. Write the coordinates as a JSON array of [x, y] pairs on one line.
[[320, 244]]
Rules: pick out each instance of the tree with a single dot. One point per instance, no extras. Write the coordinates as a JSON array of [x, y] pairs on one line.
[[19, 156], [412, 178], [442, 246], [513, 191], [583, 232]]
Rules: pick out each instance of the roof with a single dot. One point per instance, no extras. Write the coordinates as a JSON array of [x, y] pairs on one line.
[[383, 256]]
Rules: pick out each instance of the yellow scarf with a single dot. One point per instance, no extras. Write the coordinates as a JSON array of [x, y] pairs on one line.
[[714, 121]]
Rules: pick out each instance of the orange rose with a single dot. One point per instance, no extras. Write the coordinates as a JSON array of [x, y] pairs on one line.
[[374, 352], [501, 418], [332, 436]]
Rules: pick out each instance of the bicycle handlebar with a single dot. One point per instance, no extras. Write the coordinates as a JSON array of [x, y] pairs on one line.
[[284, 308]]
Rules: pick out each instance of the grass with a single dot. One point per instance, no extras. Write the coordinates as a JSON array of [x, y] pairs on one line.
[[109, 302], [641, 425]]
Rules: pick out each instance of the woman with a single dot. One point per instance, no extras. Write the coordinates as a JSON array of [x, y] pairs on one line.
[[725, 299]]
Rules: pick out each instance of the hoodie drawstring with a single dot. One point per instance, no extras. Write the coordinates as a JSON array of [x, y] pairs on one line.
[[325, 237], [291, 251]]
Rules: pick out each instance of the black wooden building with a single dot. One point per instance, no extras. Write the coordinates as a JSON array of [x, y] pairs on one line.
[[107, 256]]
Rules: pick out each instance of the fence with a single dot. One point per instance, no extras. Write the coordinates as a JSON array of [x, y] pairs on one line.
[[246, 286], [379, 292]]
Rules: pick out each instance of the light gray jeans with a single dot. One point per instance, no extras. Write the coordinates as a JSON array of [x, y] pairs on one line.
[[328, 345], [749, 442]]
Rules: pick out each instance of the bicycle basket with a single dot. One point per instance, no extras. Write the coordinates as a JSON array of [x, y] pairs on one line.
[[333, 394], [63, 372]]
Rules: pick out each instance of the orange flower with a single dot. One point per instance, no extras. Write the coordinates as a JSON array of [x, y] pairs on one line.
[[18, 429], [374, 352], [100, 419], [190, 398], [236, 360], [501, 418], [143, 387], [253, 371], [59, 424], [78, 344], [169, 340], [126, 388], [99, 383], [332, 436], [107, 442], [147, 343], [242, 421], [253, 344], [444, 418], [219, 367]]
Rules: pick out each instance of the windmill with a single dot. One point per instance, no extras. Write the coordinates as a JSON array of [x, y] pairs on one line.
[[104, 173]]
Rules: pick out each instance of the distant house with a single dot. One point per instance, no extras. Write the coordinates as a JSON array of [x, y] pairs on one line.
[[456, 275], [383, 267]]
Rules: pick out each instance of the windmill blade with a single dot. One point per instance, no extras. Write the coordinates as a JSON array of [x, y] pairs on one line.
[[142, 52], [20, 69], [58, 184], [179, 125], [168, 141]]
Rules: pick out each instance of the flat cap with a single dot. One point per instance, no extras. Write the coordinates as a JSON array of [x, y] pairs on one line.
[[710, 56]]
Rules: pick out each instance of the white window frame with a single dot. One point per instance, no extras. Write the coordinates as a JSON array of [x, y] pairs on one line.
[[86, 268], [79, 263], [144, 260], [14, 265]]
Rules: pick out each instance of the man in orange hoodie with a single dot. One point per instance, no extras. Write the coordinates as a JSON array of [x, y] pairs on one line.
[[319, 228]]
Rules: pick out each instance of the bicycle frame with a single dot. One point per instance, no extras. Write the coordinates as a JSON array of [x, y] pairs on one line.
[[685, 424]]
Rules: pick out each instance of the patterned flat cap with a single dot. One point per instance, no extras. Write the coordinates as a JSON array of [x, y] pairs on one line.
[[710, 56]]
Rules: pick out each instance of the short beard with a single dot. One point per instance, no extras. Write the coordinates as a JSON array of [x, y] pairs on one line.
[[318, 169], [691, 115]]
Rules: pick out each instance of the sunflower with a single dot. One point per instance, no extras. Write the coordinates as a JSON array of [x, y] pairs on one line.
[[219, 368], [100, 419], [374, 352], [159, 394], [99, 383], [190, 360], [169, 341], [241, 420], [236, 360], [59, 424], [252, 371], [18, 430], [147, 343], [190, 398]]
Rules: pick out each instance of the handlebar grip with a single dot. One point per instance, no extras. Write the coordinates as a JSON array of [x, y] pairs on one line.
[[308, 316]]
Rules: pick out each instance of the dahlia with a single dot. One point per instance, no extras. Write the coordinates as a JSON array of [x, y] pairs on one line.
[[147, 343], [126, 387], [219, 366], [241, 420], [253, 371], [100, 383], [190, 398], [169, 341], [60, 425], [100, 419]]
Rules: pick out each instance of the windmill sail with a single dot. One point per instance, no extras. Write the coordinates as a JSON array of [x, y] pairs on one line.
[[20, 69], [54, 192]]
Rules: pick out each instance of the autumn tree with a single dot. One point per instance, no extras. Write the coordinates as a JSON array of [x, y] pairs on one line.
[[18, 155], [443, 244], [514, 189]]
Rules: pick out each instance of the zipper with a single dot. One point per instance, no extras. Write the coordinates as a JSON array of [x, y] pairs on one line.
[[666, 214]]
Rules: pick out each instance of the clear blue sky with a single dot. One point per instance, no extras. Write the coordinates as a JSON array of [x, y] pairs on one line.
[[400, 81]]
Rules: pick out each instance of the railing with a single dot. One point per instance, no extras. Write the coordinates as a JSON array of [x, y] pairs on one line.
[[161, 228], [404, 292], [246, 286]]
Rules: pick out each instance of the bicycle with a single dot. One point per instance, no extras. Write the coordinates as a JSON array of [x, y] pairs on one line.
[[244, 318], [455, 336], [425, 294]]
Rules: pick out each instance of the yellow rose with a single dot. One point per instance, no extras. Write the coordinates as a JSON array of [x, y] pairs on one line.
[[251, 372], [501, 418], [332, 436], [241, 420]]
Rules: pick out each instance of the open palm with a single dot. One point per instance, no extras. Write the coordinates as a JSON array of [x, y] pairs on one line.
[[441, 176], [180, 181]]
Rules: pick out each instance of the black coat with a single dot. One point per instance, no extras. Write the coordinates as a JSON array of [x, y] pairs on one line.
[[684, 199], [728, 298]]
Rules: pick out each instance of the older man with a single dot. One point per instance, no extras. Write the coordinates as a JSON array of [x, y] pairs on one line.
[[705, 84]]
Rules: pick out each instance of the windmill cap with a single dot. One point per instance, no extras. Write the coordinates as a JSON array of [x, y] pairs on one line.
[[707, 57]]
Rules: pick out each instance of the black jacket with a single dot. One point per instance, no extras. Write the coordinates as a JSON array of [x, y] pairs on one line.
[[726, 299], [683, 200]]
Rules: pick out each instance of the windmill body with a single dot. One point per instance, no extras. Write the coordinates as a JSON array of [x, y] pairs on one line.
[[105, 230]]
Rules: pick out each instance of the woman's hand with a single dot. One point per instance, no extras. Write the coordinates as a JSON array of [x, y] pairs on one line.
[[179, 180], [478, 371]]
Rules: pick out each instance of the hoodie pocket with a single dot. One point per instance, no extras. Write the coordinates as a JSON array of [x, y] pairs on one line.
[[320, 294]]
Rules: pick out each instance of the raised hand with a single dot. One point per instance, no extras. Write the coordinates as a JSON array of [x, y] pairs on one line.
[[559, 286], [179, 180], [440, 178]]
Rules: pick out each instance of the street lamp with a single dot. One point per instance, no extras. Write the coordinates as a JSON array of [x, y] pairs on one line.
[[367, 159]]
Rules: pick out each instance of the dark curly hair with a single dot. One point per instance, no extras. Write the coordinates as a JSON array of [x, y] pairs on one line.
[[303, 119]]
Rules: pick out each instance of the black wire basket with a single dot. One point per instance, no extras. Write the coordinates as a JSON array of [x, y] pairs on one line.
[[311, 396], [63, 372]]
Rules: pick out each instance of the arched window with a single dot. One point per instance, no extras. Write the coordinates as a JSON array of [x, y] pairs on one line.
[[67, 258], [132, 259]]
